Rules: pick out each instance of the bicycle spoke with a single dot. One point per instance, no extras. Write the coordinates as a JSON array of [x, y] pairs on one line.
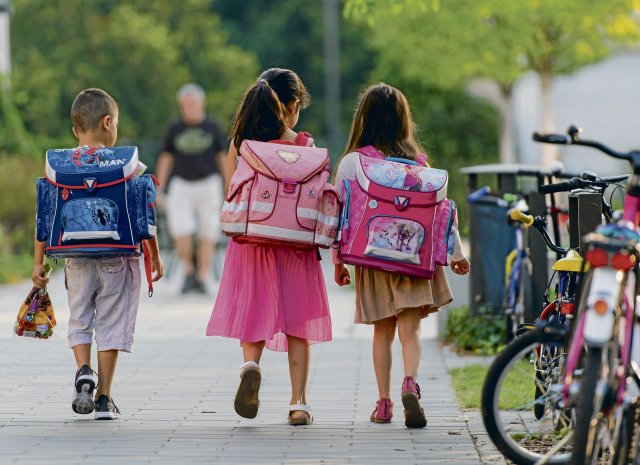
[[523, 403]]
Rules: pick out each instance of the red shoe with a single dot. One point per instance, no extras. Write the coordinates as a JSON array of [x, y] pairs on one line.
[[383, 412], [413, 414]]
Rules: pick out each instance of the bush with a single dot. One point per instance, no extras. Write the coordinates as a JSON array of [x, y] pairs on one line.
[[482, 334], [17, 215]]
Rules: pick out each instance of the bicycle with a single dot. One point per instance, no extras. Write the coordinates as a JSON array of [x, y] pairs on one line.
[[518, 273], [533, 363], [602, 338]]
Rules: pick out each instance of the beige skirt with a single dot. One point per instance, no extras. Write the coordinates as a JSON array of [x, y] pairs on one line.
[[381, 295]]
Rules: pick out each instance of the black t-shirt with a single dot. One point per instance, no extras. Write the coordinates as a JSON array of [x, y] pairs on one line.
[[194, 148]]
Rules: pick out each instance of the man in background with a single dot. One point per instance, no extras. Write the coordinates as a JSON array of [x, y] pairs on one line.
[[191, 160]]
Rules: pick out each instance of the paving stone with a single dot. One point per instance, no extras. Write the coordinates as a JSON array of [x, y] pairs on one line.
[[176, 396]]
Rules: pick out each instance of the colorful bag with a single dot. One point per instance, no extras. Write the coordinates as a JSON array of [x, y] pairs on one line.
[[396, 216], [279, 195], [36, 317], [95, 202]]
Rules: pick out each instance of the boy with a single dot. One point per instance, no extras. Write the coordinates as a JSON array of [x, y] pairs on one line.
[[103, 293]]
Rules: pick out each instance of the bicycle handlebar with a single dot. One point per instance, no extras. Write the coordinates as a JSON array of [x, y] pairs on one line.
[[526, 220], [559, 139], [540, 223], [586, 180], [557, 187], [573, 138]]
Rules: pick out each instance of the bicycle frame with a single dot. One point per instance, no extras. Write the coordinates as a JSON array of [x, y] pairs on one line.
[[612, 286]]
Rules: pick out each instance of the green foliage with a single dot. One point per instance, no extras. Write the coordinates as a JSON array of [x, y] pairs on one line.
[[15, 267], [289, 34], [139, 51], [17, 209], [482, 334], [13, 136], [448, 43]]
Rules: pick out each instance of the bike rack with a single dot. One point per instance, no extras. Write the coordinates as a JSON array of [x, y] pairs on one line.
[[585, 215]]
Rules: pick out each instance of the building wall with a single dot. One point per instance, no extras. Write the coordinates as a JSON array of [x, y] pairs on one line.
[[603, 99]]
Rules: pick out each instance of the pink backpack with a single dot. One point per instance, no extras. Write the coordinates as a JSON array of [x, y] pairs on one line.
[[279, 195], [396, 216]]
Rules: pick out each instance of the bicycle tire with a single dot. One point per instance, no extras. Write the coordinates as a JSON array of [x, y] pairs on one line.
[[489, 400], [624, 443], [538, 409], [584, 407]]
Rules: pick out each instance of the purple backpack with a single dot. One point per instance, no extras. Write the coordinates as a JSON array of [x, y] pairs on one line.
[[396, 216]]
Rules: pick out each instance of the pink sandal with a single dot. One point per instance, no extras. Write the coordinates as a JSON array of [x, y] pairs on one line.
[[413, 414], [383, 412]]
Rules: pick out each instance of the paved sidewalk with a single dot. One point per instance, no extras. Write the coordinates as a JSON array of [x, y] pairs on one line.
[[176, 395]]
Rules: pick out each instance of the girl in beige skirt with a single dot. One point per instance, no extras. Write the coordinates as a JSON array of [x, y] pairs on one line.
[[388, 300]]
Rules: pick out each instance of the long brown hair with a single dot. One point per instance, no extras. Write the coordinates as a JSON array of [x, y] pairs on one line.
[[264, 108], [383, 119]]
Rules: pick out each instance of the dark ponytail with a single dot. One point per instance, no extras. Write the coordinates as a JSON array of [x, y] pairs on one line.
[[262, 115]]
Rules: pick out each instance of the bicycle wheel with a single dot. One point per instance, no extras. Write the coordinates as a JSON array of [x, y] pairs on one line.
[[584, 447], [623, 449], [509, 398], [539, 407]]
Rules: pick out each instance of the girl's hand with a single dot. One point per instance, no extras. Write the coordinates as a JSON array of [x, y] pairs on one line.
[[341, 275], [461, 266]]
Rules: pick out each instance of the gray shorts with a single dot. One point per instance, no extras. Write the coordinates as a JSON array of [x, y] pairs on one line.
[[104, 294]]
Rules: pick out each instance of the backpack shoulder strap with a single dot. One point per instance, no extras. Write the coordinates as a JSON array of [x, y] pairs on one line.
[[370, 151], [422, 159], [304, 139]]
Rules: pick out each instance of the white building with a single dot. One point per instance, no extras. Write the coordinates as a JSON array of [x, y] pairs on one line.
[[603, 99]]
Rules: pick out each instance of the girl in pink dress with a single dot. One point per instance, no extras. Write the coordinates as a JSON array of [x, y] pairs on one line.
[[272, 297]]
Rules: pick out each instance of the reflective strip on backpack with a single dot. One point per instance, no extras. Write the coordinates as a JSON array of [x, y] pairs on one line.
[[311, 214], [262, 207], [234, 207], [276, 232], [81, 235], [234, 227], [321, 239]]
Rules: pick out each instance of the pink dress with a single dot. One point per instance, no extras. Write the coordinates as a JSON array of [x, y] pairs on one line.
[[267, 293]]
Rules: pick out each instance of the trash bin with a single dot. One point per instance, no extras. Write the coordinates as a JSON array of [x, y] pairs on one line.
[[491, 238]]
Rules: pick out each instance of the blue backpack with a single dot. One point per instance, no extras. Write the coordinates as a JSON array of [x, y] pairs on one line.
[[95, 202]]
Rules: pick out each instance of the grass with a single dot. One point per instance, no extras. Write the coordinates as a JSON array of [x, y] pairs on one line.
[[517, 388]]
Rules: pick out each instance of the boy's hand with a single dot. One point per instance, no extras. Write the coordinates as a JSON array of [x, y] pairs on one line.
[[461, 266], [37, 276], [341, 275], [157, 266]]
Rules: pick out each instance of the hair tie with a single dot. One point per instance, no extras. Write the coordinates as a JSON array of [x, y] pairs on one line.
[[263, 81]]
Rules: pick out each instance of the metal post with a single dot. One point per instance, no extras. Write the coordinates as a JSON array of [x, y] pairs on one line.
[[331, 24], [533, 298], [508, 183], [5, 40], [585, 215]]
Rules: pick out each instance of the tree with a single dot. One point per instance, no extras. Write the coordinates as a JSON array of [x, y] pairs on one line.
[[450, 43], [139, 51], [14, 139], [289, 34]]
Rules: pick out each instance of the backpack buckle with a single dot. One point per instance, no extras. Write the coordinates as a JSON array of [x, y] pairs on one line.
[[401, 202], [289, 186], [90, 183]]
